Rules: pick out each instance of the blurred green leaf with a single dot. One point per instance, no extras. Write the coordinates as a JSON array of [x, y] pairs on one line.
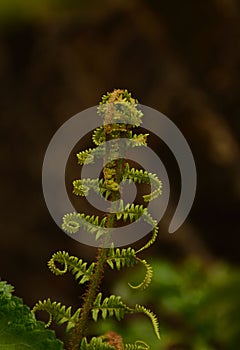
[[19, 329]]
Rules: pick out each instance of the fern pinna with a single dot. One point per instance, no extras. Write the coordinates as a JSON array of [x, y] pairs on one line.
[[121, 117]]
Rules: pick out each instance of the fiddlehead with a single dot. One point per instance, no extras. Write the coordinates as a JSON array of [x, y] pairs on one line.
[[77, 267], [91, 223], [58, 312], [148, 276]]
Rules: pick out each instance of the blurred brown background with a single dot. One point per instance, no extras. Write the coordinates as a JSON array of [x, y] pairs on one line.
[[58, 58]]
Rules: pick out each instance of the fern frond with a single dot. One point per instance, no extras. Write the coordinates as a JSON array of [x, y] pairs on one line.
[[77, 267], [58, 312], [140, 176], [148, 276], [134, 212], [116, 129], [139, 140], [138, 345], [99, 136], [131, 211], [87, 156], [121, 257], [151, 241], [81, 187], [127, 257], [152, 316], [122, 95], [121, 112], [73, 221], [112, 306], [96, 343]]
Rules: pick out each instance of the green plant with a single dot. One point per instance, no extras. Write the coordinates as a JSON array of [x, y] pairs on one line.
[[121, 116], [19, 329]]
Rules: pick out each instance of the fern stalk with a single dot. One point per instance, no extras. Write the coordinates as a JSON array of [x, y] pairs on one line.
[[79, 331]]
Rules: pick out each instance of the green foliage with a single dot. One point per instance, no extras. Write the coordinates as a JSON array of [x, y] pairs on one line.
[[112, 306], [140, 176], [76, 266], [127, 257], [19, 329], [95, 344], [121, 257], [120, 115], [58, 312]]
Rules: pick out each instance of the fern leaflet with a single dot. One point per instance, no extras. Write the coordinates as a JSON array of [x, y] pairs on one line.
[[112, 306], [77, 267], [96, 343], [58, 312], [138, 345], [153, 318]]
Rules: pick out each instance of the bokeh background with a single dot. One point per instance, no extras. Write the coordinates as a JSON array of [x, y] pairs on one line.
[[182, 58]]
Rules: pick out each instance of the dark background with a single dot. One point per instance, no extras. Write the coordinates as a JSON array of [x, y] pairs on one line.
[[58, 58]]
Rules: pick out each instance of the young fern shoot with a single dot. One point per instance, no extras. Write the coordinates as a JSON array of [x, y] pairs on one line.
[[121, 116]]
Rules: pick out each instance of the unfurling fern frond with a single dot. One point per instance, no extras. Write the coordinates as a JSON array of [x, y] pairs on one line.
[[77, 267], [153, 318], [131, 212], [121, 257], [127, 257], [139, 140], [74, 221], [96, 343], [118, 95], [99, 136], [140, 176], [138, 345], [87, 156], [82, 187], [148, 218], [121, 111], [148, 277], [112, 306], [58, 312]]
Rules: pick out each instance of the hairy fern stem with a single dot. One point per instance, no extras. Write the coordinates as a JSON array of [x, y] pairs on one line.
[[79, 331]]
